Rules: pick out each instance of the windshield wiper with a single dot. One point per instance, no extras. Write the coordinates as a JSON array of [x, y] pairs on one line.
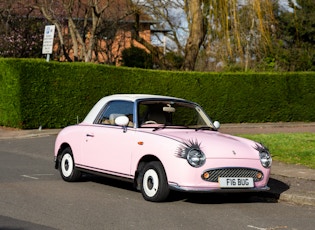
[[205, 128], [170, 126], [159, 127]]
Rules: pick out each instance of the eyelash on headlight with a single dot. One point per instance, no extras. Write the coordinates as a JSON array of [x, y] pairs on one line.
[[183, 149], [261, 148]]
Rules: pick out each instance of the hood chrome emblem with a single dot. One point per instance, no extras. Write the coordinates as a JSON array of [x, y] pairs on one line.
[[234, 152]]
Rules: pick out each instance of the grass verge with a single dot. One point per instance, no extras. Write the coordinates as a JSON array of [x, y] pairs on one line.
[[292, 148]]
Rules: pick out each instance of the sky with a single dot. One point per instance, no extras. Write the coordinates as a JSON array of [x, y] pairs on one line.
[[284, 5]]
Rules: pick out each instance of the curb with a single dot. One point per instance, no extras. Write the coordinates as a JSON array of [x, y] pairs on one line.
[[297, 199], [16, 134], [300, 198]]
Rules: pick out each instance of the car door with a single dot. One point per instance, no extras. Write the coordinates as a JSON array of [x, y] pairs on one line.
[[108, 148]]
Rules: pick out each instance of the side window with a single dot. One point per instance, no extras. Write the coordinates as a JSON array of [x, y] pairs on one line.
[[115, 109]]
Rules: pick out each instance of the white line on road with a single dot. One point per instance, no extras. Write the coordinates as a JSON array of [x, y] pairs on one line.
[[272, 228], [36, 176], [250, 226], [31, 177], [43, 174]]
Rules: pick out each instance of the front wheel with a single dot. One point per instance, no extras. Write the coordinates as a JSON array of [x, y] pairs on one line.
[[154, 186], [67, 167]]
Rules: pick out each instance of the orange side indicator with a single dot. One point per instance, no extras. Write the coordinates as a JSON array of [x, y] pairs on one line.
[[140, 142], [206, 175]]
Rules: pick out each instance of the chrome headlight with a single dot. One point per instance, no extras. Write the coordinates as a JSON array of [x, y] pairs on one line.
[[196, 158], [191, 151], [265, 159], [264, 155]]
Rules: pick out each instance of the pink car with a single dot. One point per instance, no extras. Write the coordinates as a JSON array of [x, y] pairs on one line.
[[160, 143]]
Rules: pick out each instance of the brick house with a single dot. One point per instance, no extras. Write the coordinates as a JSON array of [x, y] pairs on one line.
[[113, 35]]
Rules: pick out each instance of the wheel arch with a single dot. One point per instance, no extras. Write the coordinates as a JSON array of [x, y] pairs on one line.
[[62, 147], [142, 162]]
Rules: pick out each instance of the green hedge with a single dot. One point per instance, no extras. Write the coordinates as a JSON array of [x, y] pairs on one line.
[[54, 95]]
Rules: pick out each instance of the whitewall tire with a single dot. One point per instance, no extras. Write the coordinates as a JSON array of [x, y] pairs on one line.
[[67, 167], [154, 186]]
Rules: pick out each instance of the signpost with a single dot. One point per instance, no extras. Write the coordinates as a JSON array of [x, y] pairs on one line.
[[48, 41]]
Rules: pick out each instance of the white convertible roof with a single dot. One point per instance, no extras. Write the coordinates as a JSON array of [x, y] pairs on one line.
[[129, 97], [134, 97]]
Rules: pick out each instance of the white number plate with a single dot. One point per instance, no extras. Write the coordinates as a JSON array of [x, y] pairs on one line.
[[236, 182]]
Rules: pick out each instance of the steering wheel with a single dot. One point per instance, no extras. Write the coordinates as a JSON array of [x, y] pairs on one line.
[[150, 122]]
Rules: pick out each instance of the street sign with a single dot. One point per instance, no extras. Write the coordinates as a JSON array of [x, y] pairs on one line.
[[48, 41]]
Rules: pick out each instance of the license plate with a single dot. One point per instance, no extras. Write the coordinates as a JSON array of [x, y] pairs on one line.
[[236, 182]]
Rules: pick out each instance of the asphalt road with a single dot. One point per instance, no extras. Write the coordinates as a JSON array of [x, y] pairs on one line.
[[33, 196]]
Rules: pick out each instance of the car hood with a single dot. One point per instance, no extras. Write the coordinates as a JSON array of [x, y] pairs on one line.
[[214, 144]]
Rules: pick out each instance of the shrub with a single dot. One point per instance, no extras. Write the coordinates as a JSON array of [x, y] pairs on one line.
[[137, 57]]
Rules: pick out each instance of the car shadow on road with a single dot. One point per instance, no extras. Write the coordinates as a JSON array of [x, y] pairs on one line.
[[272, 196], [277, 187], [127, 185]]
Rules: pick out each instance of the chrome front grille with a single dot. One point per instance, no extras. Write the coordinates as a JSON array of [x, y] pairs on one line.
[[214, 174]]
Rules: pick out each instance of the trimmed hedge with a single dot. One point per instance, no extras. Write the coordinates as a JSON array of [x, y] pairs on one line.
[[54, 95]]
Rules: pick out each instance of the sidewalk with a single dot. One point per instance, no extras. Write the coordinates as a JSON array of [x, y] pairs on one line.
[[288, 183], [279, 127], [12, 133]]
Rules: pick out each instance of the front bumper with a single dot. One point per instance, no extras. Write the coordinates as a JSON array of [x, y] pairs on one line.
[[217, 190]]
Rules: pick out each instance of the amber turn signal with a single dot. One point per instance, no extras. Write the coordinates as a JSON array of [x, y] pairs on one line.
[[259, 175], [206, 175]]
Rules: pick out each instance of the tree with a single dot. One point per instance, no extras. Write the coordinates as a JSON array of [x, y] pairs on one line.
[[169, 26], [83, 38], [237, 32], [295, 43], [19, 37], [90, 29], [226, 32], [87, 30], [197, 31]]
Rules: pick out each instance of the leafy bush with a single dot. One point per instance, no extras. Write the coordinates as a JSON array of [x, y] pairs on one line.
[[173, 61], [136, 57], [21, 38]]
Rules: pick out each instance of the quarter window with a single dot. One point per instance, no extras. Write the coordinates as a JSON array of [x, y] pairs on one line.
[[115, 109]]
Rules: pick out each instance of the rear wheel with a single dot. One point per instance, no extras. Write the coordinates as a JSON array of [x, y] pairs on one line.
[[154, 186], [67, 167]]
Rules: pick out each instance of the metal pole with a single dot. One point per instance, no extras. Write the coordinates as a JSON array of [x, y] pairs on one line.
[[164, 45]]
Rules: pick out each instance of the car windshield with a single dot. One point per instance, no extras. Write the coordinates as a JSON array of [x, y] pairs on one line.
[[175, 114]]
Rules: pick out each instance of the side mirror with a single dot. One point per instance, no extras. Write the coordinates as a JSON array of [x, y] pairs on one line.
[[216, 124], [122, 121]]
